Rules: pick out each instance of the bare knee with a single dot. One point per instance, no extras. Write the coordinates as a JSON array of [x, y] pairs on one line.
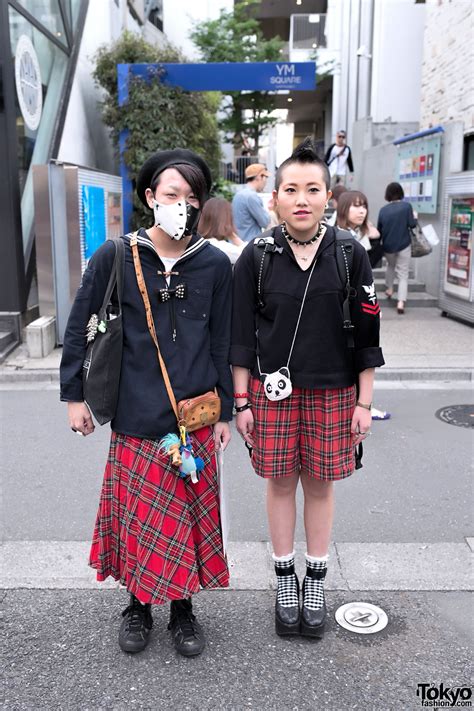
[[316, 488], [285, 486]]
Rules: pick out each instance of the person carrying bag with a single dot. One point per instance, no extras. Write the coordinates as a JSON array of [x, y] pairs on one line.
[[158, 523], [102, 364], [396, 223]]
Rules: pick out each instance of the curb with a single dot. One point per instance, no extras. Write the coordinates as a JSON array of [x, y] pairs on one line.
[[396, 374], [354, 566], [29, 375]]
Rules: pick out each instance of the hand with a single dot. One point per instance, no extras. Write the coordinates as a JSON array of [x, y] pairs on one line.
[[360, 427], [80, 418], [244, 423], [222, 434]]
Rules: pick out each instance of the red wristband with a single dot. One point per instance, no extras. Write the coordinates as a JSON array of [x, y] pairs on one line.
[[236, 395]]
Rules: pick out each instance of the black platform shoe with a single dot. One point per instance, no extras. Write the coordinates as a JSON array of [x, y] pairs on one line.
[[136, 626], [188, 636], [313, 622], [287, 619]]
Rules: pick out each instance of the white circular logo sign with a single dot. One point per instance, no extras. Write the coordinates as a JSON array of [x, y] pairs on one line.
[[28, 82]]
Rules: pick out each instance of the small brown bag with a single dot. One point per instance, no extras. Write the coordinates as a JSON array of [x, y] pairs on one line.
[[194, 412], [199, 411]]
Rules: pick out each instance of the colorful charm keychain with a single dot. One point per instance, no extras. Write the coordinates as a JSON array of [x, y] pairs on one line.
[[180, 449]]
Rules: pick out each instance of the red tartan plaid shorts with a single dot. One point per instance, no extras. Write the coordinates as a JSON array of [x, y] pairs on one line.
[[310, 430]]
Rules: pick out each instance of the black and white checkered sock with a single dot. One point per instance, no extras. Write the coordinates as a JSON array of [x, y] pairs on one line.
[[287, 592], [314, 586]]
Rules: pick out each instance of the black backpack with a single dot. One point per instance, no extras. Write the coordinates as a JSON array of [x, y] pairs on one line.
[[344, 253]]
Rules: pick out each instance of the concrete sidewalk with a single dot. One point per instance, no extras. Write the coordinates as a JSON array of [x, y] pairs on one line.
[[441, 566], [420, 345]]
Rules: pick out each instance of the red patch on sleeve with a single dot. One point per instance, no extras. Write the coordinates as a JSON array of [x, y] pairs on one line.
[[372, 309]]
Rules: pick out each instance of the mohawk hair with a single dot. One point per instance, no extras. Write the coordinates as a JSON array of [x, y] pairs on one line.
[[305, 152]]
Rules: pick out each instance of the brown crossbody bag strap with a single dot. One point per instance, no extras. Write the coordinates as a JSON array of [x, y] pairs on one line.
[[150, 321]]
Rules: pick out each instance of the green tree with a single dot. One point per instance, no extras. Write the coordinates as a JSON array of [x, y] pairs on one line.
[[236, 36], [156, 116]]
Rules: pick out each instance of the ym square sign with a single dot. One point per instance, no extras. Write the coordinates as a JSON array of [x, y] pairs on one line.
[[218, 76]]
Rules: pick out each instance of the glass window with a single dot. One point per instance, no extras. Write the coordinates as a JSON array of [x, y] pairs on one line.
[[72, 8], [75, 7], [48, 13], [33, 144], [469, 152]]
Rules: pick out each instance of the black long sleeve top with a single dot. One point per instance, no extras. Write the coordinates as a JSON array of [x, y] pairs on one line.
[[321, 357], [197, 360]]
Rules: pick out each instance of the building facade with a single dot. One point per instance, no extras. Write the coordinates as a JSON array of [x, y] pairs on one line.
[[50, 111]]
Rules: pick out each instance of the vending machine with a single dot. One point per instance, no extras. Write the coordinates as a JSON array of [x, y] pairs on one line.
[[457, 274]]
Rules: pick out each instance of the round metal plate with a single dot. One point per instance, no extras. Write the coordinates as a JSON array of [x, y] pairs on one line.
[[459, 415], [361, 617]]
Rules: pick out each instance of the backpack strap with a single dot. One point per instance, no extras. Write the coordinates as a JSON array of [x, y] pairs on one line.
[[262, 245], [344, 246]]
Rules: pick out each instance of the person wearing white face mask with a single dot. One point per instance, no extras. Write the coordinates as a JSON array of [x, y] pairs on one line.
[[156, 531]]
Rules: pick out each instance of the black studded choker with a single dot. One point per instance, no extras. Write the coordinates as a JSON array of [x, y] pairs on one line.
[[297, 241]]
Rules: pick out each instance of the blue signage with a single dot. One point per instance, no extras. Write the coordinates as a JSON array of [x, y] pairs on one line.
[[218, 76], [224, 76], [93, 211]]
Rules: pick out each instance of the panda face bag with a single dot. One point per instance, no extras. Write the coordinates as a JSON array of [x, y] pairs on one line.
[[277, 385]]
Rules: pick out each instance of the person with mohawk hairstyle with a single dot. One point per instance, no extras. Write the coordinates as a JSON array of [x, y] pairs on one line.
[[304, 347]]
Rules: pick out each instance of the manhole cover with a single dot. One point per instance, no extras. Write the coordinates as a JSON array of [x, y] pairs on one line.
[[361, 617], [459, 415]]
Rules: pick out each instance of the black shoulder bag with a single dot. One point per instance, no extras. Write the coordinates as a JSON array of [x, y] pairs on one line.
[[102, 364]]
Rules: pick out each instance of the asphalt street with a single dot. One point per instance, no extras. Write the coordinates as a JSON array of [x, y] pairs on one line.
[[62, 653], [402, 540], [415, 484]]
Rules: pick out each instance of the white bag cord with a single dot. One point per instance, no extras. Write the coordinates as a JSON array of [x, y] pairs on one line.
[[297, 323]]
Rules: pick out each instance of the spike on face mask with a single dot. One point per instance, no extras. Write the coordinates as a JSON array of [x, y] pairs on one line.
[[178, 220]]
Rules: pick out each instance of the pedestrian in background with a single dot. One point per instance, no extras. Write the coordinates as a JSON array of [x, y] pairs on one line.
[[157, 533], [250, 216], [353, 215], [336, 194], [393, 223], [295, 377], [339, 159], [273, 212], [217, 226]]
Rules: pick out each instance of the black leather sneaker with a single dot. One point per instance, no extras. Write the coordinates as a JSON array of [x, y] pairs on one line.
[[188, 636], [136, 626]]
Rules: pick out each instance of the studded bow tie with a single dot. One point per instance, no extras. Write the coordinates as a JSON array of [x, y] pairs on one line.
[[180, 292]]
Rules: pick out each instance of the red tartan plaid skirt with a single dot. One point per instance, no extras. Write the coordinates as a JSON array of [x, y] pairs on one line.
[[157, 533], [309, 430]]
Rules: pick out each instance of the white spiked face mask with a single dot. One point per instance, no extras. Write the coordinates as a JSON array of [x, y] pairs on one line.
[[177, 220]]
